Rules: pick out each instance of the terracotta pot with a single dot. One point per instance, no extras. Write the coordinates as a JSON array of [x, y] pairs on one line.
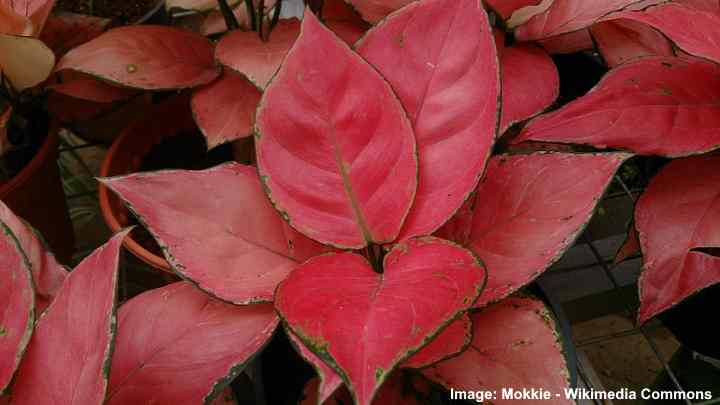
[[36, 195], [169, 118]]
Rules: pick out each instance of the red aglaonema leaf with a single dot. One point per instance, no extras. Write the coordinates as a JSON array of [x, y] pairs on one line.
[[691, 25], [146, 57], [17, 305], [177, 345], [530, 83], [64, 31], [630, 247], [515, 345], [225, 236], [571, 42], [449, 343], [654, 106], [36, 11], [48, 275], [13, 23], [622, 40], [68, 358], [373, 10], [25, 61], [344, 21], [440, 58], [224, 110], [530, 209], [506, 8], [258, 60], [334, 146], [86, 87], [333, 301], [677, 213], [564, 16]]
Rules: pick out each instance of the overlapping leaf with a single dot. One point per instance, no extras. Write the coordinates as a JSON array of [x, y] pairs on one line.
[[440, 58], [514, 346], [621, 40], [571, 42], [48, 275], [530, 83], [224, 235], [13, 23], [64, 31], [225, 109], [333, 301], [88, 88], [530, 209], [691, 25], [678, 213], [375, 10], [653, 106], [35, 11], [334, 146], [17, 305], [258, 60], [178, 345], [25, 61], [146, 57], [516, 12], [68, 358], [399, 389]]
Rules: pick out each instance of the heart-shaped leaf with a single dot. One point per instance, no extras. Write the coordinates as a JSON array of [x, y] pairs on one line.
[[225, 109], [258, 60], [333, 301], [677, 213], [25, 61], [178, 345], [515, 346], [48, 275], [440, 58], [375, 10], [449, 343], [86, 87], [68, 359], [564, 16], [225, 236], [652, 106], [622, 40], [336, 154], [530, 209], [691, 25], [530, 83], [146, 57], [64, 31], [17, 305]]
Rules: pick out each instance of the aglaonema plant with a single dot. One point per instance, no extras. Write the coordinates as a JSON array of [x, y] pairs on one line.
[[379, 222]]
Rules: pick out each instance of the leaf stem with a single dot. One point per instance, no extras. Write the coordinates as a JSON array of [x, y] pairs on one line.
[[251, 13], [276, 15], [375, 255], [261, 19], [230, 21]]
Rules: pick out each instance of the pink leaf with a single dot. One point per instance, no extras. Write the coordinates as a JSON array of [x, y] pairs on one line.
[[530, 209], [691, 25], [68, 358], [37, 11], [571, 42], [565, 16], [530, 83], [17, 306], [13, 23], [622, 40], [332, 302], [146, 57], [505, 8], [652, 106], [337, 155], [225, 236], [440, 58], [246, 53], [86, 87], [375, 10], [225, 109], [449, 343], [344, 21], [514, 346], [48, 275], [178, 345], [65, 31], [677, 213]]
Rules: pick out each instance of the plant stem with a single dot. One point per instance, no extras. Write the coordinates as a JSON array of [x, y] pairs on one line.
[[261, 19], [375, 256], [230, 21], [251, 13], [276, 15]]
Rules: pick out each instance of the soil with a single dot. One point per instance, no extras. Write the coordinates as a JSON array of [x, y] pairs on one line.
[[26, 134], [185, 151], [121, 12]]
